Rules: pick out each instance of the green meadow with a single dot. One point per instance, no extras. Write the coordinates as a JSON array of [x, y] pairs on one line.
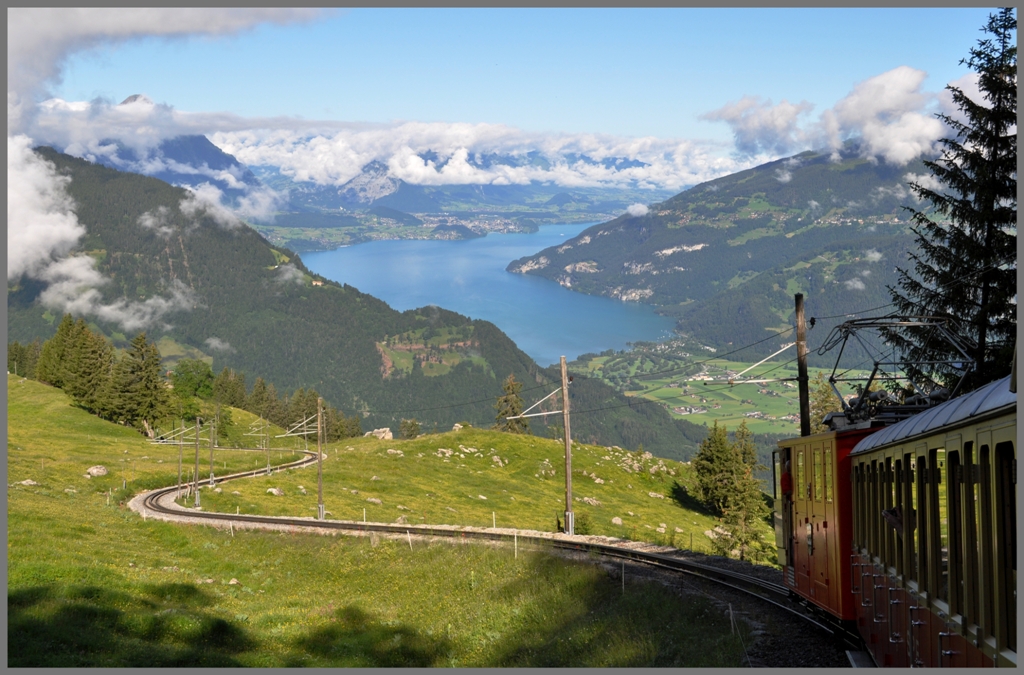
[[91, 583]]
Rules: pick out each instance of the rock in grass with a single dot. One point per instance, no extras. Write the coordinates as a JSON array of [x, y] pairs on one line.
[[97, 470], [233, 582], [374, 500], [28, 481], [402, 520], [277, 492], [616, 521]]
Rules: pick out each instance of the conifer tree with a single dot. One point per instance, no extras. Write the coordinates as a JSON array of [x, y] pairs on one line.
[[52, 359], [716, 465], [142, 393], [257, 402], [89, 380], [966, 268], [510, 404], [823, 401], [22, 359]]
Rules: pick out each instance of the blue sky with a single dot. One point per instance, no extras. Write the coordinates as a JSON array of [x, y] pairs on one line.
[[626, 72]]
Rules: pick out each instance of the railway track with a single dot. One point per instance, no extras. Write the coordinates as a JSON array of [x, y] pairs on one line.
[[160, 504]]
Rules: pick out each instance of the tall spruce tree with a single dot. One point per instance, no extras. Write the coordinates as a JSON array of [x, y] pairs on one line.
[[52, 364], [716, 465], [510, 404], [143, 396], [89, 378], [966, 268]]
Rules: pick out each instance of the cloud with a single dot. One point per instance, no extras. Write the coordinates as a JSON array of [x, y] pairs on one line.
[[74, 288], [854, 285], [39, 40], [871, 255], [218, 345], [889, 114], [206, 200], [760, 127], [41, 221], [783, 175], [289, 273], [157, 220], [925, 180], [637, 210]]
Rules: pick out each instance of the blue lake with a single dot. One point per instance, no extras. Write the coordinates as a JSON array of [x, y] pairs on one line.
[[469, 277]]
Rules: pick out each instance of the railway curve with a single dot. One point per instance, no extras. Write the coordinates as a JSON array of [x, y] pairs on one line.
[[160, 504]]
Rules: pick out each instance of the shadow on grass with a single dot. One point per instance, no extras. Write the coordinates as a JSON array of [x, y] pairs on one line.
[[683, 498], [356, 638], [94, 626], [591, 622]]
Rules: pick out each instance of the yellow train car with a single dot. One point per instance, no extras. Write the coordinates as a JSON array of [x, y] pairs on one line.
[[934, 555]]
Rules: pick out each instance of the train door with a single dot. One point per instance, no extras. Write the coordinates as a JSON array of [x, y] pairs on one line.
[[820, 560], [783, 511], [803, 529]]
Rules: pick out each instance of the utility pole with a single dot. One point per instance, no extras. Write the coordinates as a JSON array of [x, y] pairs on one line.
[[213, 435], [319, 458], [801, 365], [181, 437], [195, 475], [569, 516]]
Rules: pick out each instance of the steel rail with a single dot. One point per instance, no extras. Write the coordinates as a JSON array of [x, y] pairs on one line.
[[774, 594]]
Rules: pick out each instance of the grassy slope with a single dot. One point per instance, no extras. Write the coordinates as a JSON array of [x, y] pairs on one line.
[[91, 584]]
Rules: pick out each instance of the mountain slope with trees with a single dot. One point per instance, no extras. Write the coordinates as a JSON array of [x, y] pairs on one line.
[[726, 256], [257, 310]]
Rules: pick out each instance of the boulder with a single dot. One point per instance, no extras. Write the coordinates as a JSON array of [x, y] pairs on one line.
[[383, 434], [402, 520], [456, 427], [97, 470], [616, 521], [29, 481], [374, 500], [277, 492]]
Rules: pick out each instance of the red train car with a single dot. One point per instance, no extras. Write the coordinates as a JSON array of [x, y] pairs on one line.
[[909, 530], [814, 521]]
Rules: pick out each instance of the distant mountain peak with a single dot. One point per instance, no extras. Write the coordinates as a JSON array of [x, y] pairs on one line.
[[371, 184], [136, 98]]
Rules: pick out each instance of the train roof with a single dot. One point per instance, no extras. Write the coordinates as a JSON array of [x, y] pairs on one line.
[[992, 396]]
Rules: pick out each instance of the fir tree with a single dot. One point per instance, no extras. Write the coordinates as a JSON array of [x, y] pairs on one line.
[[823, 401], [716, 465], [89, 380], [510, 404], [409, 428], [257, 402], [52, 363], [142, 393], [966, 268]]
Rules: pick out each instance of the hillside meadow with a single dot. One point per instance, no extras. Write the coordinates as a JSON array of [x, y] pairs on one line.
[[91, 583]]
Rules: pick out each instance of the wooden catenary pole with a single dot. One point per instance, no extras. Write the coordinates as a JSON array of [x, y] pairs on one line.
[[801, 365], [320, 459], [569, 516], [195, 475]]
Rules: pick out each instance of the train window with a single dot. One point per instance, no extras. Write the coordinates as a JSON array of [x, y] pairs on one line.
[[969, 532], [858, 506], [1006, 544], [888, 533], [983, 526], [818, 482], [954, 516], [941, 535], [828, 474], [872, 519], [799, 489], [923, 527], [910, 520], [898, 505]]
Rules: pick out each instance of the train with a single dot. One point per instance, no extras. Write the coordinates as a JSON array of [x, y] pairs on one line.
[[907, 532]]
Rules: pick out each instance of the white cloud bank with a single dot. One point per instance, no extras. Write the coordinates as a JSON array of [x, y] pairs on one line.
[[889, 113], [637, 210], [42, 227]]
